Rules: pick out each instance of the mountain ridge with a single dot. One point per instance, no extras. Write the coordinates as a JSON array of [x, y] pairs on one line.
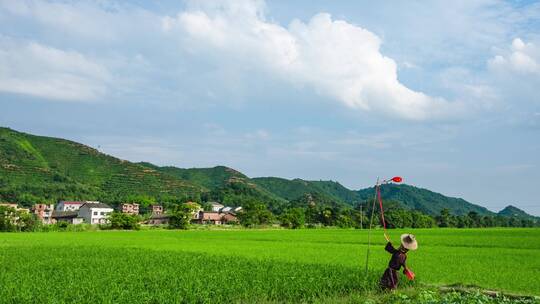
[[40, 167]]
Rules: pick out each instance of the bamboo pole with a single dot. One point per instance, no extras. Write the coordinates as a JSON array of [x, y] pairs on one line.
[[370, 223]]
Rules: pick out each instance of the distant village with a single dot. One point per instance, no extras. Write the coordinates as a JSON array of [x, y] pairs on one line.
[[97, 213]]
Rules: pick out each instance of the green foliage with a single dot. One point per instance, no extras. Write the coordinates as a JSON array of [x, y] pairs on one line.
[[293, 218], [8, 219], [474, 220], [119, 220], [296, 189], [181, 215], [255, 214], [37, 169], [472, 297], [12, 220], [210, 178], [423, 200], [42, 169], [511, 211]]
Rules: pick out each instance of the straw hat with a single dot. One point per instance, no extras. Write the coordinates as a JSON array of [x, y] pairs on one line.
[[408, 241]]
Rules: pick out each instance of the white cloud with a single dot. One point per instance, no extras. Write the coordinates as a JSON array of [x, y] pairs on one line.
[[522, 58], [336, 58], [35, 69]]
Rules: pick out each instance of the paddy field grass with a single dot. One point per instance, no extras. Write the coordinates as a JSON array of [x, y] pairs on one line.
[[211, 266]]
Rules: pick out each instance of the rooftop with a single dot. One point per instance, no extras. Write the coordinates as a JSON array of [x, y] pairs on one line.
[[96, 205]]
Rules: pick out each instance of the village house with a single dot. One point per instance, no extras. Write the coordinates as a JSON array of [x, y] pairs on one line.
[[157, 209], [214, 218], [229, 218], [158, 219], [216, 207], [226, 209], [95, 213], [71, 217], [130, 208], [44, 212], [68, 206]]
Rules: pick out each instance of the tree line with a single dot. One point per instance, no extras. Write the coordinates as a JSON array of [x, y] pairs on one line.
[[313, 215], [301, 213]]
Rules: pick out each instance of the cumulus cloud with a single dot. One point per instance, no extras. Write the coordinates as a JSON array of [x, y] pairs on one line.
[[337, 59], [522, 58], [39, 70]]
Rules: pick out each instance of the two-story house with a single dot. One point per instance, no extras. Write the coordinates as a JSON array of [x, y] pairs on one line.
[[44, 212], [157, 209], [130, 208], [95, 213]]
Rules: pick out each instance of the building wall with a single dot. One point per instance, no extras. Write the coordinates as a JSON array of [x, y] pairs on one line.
[[130, 208], [157, 209], [95, 216], [77, 221], [44, 212]]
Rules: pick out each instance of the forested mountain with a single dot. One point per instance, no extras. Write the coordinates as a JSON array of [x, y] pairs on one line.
[[44, 169], [511, 211], [424, 200], [37, 168], [225, 185], [296, 188], [210, 178]]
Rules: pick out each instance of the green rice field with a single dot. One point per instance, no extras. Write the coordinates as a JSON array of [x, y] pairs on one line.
[[211, 266]]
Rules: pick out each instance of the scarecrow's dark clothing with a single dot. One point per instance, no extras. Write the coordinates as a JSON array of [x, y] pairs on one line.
[[389, 279]]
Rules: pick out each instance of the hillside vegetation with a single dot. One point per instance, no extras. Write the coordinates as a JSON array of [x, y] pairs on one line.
[[44, 169], [423, 200]]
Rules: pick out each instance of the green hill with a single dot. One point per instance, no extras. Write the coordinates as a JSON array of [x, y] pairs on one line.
[[511, 211], [210, 178], [338, 190], [225, 185], [44, 168], [423, 200], [288, 189]]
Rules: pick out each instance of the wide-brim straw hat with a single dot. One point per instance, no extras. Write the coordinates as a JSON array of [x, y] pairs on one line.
[[408, 241]]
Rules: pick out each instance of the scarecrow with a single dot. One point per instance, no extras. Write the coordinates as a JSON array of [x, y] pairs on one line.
[[389, 279]]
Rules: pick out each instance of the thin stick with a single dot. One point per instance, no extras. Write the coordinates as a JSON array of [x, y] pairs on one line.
[[361, 218], [370, 223]]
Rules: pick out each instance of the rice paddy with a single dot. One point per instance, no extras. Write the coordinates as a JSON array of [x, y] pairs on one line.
[[210, 266]]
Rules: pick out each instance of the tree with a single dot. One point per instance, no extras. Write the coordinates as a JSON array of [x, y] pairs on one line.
[[293, 218], [17, 220], [445, 219], [8, 219], [27, 222], [181, 215], [420, 220], [476, 219], [124, 221], [254, 214]]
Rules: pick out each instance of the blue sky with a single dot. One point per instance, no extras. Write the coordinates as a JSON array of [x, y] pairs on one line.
[[444, 95]]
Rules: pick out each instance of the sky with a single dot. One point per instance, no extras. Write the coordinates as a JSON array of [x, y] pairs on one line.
[[441, 94]]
